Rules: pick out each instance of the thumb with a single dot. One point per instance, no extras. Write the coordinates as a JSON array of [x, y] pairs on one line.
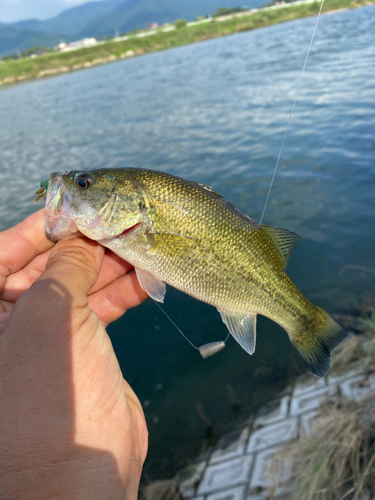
[[72, 269], [57, 303], [75, 264]]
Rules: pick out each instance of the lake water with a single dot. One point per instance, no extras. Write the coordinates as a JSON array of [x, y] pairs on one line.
[[215, 112]]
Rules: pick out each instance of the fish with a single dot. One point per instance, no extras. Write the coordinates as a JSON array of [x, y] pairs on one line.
[[182, 233]]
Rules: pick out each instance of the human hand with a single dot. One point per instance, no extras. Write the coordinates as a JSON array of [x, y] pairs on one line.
[[70, 426]]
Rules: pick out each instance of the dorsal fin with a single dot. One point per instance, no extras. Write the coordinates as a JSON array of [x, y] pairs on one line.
[[285, 241]]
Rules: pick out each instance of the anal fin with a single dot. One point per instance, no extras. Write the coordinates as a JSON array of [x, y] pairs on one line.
[[153, 286], [242, 327]]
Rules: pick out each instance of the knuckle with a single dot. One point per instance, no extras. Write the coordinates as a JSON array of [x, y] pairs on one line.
[[73, 256]]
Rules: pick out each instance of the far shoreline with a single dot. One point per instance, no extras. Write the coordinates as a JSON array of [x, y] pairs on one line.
[[57, 63]]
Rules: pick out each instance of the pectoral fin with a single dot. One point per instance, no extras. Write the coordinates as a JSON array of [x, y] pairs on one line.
[[154, 287], [243, 329], [170, 244]]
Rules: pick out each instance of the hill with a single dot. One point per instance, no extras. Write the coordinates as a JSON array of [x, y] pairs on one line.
[[15, 39], [137, 14], [104, 18], [71, 21]]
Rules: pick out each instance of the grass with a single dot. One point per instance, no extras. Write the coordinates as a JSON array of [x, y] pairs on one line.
[[352, 353], [162, 490], [12, 71], [336, 461]]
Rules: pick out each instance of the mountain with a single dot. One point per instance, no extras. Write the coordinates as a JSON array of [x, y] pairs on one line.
[[104, 18], [14, 39], [71, 21], [137, 14]]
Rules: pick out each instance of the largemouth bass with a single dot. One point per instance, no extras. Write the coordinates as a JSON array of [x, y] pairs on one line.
[[184, 234]]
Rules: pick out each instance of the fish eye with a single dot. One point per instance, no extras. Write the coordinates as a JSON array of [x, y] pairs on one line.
[[83, 181]]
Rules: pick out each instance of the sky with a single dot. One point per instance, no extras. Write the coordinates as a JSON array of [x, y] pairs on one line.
[[15, 10]]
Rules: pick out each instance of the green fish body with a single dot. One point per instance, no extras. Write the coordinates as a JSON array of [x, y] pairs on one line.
[[184, 234]]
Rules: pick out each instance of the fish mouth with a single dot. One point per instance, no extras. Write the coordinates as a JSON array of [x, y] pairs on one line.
[[59, 224], [123, 235], [127, 232]]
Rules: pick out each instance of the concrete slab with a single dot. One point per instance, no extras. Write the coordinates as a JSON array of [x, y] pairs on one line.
[[358, 387], [258, 496], [230, 494], [280, 413], [262, 477], [311, 400], [367, 496], [336, 379], [272, 435], [227, 474], [193, 475], [310, 385], [230, 446]]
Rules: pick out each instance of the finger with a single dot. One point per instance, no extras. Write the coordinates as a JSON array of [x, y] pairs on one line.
[[112, 301], [54, 312], [19, 282], [6, 306], [75, 264], [113, 267], [4, 316], [5, 309], [21, 244], [59, 296]]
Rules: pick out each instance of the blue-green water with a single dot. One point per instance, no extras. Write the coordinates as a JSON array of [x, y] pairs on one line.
[[215, 112]]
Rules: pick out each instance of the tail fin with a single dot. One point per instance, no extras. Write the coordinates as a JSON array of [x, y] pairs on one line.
[[315, 346]]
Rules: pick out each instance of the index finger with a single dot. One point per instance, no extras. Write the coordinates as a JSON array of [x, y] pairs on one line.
[[22, 243]]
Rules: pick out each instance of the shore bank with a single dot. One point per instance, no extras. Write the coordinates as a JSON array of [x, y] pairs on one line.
[[317, 438], [13, 71]]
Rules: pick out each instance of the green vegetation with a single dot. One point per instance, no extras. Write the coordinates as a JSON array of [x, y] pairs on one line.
[[369, 322], [29, 52], [180, 23], [55, 63], [224, 11]]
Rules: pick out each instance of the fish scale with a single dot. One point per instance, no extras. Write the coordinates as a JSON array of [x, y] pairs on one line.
[[184, 234], [244, 250]]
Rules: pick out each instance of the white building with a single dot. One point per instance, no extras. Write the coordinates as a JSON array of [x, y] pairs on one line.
[[79, 44]]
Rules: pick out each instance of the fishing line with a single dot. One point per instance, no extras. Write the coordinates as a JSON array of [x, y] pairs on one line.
[[292, 110], [174, 324], [205, 350]]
